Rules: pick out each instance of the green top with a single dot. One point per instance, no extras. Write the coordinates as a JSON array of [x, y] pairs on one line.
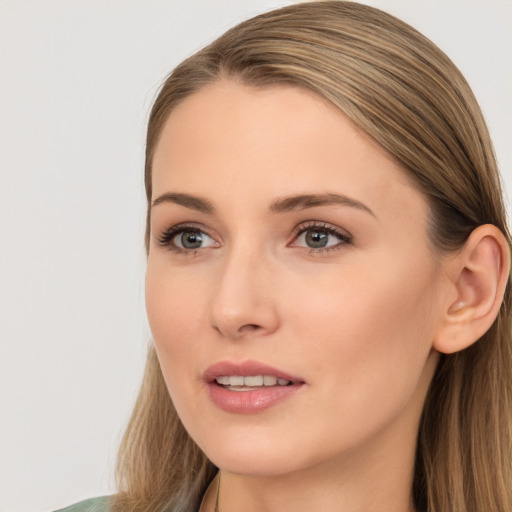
[[91, 505]]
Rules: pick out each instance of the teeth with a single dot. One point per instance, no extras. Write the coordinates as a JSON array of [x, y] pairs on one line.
[[269, 380], [236, 381], [253, 381]]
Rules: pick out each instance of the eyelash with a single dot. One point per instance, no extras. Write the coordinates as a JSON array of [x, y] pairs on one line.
[[166, 237], [343, 237]]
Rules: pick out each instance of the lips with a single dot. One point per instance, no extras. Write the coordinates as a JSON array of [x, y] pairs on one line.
[[249, 387]]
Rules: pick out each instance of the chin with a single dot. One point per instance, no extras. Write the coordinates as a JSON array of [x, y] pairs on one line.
[[258, 465], [256, 458]]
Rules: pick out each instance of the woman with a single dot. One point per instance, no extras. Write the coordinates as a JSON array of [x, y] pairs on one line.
[[328, 279]]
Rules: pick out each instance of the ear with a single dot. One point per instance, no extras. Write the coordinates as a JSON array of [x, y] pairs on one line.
[[478, 276]]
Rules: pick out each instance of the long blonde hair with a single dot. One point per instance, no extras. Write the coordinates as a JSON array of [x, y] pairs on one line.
[[404, 92]]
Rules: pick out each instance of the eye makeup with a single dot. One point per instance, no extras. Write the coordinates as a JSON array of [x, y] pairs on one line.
[[186, 239], [315, 237], [320, 237]]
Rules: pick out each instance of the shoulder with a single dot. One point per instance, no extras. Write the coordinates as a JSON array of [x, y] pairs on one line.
[[92, 505]]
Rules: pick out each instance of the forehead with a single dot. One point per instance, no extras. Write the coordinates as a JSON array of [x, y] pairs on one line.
[[277, 140]]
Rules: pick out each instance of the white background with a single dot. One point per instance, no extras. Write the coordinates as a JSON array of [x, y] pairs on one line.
[[77, 78]]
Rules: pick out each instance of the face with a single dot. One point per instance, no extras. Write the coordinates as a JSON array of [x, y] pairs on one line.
[[291, 289]]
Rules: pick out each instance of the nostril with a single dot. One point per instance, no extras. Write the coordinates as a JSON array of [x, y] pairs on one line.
[[244, 329], [249, 328]]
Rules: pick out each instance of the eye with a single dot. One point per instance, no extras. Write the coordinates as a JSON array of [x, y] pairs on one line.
[[320, 237], [186, 238], [192, 239]]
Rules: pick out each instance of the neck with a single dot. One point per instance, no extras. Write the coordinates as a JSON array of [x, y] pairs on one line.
[[372, 482], [299, 495]]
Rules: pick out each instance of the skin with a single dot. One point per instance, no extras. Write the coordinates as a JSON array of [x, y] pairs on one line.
[[356, 323]]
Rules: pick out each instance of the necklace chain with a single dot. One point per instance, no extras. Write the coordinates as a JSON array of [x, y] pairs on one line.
[[216, 506], [216, 509]]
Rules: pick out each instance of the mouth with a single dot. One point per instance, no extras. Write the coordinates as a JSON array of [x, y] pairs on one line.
[[249, 387], [250, 382]]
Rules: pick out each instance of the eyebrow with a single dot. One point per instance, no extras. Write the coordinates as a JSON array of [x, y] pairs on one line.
[[192, 202], [280, 205], [305, 201]]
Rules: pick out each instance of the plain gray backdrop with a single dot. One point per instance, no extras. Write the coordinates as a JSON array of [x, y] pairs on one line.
[[77, 78]]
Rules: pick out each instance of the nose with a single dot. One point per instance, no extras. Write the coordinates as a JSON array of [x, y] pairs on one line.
[[244, 304]]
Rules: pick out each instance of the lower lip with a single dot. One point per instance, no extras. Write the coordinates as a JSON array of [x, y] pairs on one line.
[[249, 402]]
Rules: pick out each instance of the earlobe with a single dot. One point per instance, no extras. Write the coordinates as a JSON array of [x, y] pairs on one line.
[[479, 274]]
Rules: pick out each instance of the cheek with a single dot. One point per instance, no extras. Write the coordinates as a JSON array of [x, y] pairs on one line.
[[367, 342], [174, 309], [370, 327]]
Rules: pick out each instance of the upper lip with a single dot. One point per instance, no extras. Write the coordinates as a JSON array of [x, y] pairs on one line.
[[245, 369]]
